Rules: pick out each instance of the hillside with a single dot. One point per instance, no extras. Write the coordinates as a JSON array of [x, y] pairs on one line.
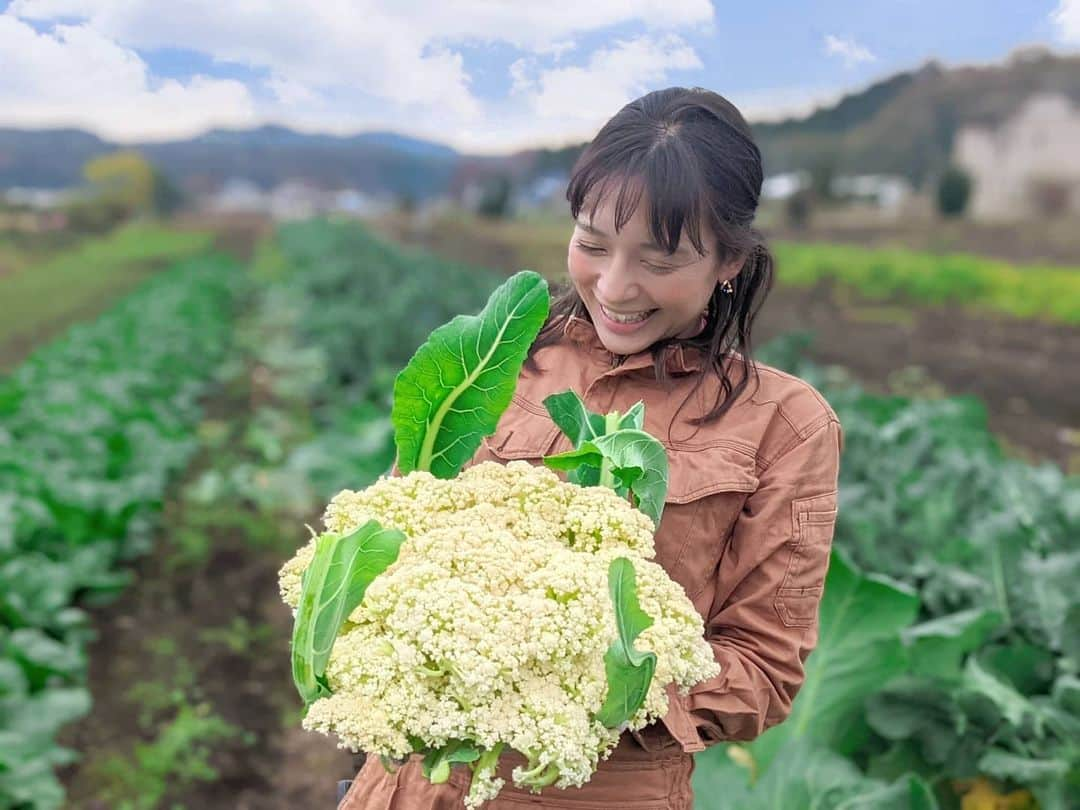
[[906, 124]]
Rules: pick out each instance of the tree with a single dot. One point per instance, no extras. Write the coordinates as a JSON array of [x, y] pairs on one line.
[[953, 191], [495, 198], [167, 197], [798, 207], [822, 175], [127, 180], [124, 177]]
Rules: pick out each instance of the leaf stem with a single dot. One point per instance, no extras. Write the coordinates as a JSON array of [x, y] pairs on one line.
[[607, 477]]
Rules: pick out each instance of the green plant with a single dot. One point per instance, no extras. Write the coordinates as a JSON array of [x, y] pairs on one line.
[[953, 191], [178, 757], [95, 427]]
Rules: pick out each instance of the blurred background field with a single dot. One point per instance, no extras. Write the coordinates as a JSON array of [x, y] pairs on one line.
[[198, 342]]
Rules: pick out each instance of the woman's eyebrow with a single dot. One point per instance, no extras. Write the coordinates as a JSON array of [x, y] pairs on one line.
[[647, 245]]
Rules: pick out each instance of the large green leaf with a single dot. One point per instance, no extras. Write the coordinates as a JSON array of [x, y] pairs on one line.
[[803, 776], [938, 646], [629, 672], [457, 385], [568, 411], [926, 712], [858, 650], [333, 585]]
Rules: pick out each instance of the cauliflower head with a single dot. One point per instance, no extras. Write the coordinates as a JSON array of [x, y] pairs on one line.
[[493, 622]]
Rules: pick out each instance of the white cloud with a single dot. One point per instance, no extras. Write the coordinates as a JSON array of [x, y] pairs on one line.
[[850, 51], [1067, 19], [612, 77], [76, 77], [327, 65]]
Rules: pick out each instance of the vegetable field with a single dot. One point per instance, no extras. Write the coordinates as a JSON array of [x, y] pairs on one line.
[[156, 461]]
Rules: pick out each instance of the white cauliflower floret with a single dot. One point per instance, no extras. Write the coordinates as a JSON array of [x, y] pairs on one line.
[[493, 622]]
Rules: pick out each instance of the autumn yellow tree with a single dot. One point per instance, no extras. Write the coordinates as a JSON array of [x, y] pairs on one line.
[[125, 178], [122, 184]]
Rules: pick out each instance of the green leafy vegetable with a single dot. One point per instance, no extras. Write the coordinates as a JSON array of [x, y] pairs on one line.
[[612, 451], [629, 672], [333, 586], [457, 385], [437, 763], [859, 649]]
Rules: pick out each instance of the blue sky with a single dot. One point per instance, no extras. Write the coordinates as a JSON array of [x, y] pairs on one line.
[[481, 77]]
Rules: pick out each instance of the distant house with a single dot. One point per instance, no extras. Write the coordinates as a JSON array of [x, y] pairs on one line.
[[34, 210], [293, 199], [782, 186], [1027, 167], [238, 195], [39, 198], [886, 191], [546, 191]]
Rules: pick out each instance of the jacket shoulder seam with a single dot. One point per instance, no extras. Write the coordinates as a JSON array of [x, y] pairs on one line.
[[800, 438]]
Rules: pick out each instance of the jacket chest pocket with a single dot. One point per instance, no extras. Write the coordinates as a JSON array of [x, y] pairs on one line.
[[523, 433], [707, 488]]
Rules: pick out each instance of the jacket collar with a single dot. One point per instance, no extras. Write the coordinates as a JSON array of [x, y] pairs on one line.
[[679, 359]]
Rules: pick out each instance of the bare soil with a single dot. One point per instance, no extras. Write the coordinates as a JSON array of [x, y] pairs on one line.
[[1026, 372]]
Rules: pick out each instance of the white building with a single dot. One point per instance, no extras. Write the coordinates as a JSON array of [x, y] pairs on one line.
[[782, 186], [887, 191], [1028, 167], [238, 195]]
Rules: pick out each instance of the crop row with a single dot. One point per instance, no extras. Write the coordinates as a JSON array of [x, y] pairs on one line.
[[949, 648], [977, 283], [93, 429]]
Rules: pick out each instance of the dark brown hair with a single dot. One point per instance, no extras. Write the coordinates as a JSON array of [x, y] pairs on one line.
[[693, 155]]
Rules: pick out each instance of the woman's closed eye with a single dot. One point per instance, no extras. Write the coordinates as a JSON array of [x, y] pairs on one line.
[[595, 250]]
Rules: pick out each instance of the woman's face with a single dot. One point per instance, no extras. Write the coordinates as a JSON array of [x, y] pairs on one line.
[[635, 293]]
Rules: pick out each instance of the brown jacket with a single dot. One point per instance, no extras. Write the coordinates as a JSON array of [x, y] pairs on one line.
[[746, 530]]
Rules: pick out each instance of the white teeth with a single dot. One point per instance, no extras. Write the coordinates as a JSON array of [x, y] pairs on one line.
[[640, 316]]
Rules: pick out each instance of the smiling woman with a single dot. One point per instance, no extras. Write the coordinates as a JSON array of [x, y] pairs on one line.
[[666, 276], [670, 258]]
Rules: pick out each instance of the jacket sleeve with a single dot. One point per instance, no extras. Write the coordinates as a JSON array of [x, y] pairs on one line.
[[764, 619]]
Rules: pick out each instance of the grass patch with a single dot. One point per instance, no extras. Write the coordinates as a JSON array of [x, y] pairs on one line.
[[40, 300], [977, 284]]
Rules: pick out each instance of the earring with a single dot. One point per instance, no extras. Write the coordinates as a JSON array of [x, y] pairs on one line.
[[726, 287]]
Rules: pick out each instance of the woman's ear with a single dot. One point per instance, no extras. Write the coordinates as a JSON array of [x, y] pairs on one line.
[[731, 269]]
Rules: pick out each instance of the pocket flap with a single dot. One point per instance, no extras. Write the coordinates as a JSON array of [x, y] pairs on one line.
[[522, 432], [699, 472]]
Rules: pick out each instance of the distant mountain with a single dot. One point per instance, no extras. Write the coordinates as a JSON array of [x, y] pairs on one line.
[[50, 158], [904, 124], [279, 136], [384, 162]]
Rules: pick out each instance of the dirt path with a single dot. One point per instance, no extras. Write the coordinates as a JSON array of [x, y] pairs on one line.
[[209, 644]]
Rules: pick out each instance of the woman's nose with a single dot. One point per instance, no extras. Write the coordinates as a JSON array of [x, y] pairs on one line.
[[616, 283]]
